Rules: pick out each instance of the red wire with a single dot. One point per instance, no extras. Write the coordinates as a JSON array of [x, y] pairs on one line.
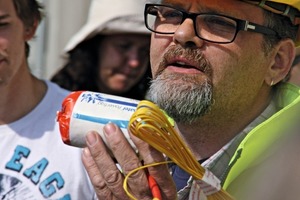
[[154, 188]]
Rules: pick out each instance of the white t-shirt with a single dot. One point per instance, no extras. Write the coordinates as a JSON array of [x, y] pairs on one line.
[[35, 163]]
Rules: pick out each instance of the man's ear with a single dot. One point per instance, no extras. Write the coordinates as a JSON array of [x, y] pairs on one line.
[[30, 31], [281, 65]]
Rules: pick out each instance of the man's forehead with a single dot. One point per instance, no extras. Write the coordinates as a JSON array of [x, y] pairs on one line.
[[7, 9], [230, 7], [290, 8], [199, 2]]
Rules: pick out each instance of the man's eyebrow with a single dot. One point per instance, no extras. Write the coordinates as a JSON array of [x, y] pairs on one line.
[[4, 16]]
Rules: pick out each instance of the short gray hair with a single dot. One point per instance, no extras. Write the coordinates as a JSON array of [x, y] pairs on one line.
[[282, 25]]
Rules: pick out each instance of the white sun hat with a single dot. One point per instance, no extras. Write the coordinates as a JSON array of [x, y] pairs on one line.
[[111, 17]]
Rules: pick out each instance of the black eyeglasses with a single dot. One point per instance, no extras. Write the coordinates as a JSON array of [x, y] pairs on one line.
[[217, 28]]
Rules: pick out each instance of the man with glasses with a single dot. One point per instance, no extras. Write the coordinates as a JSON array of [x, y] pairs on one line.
[[219, 70]]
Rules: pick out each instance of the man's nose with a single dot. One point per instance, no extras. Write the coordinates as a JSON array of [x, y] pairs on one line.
[[186, 36]]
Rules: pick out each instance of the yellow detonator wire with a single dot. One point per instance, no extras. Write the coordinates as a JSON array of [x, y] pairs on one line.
[[151, 125]]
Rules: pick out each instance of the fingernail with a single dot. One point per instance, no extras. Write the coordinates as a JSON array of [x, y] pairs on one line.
[[86, 152], [109, 128], [91, 138]]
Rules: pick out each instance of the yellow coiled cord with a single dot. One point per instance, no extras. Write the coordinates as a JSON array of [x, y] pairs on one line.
[[151, 125]]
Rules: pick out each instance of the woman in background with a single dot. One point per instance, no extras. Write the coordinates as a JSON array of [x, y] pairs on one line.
[[110, 54]]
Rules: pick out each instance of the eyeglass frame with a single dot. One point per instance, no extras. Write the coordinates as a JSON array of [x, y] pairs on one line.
[[241, 25]]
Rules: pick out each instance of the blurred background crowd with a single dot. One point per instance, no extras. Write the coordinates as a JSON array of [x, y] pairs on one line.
[[63, 19]]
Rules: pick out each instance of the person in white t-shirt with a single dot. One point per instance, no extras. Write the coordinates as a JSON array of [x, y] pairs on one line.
[[34, 164]]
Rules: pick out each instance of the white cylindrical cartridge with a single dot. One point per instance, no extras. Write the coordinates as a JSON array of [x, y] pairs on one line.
[[83, 111]]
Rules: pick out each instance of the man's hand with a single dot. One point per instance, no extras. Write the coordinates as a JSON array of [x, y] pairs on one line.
[[107, 178]]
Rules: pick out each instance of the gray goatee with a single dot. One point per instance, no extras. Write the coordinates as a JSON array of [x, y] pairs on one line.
[[185, 97]]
